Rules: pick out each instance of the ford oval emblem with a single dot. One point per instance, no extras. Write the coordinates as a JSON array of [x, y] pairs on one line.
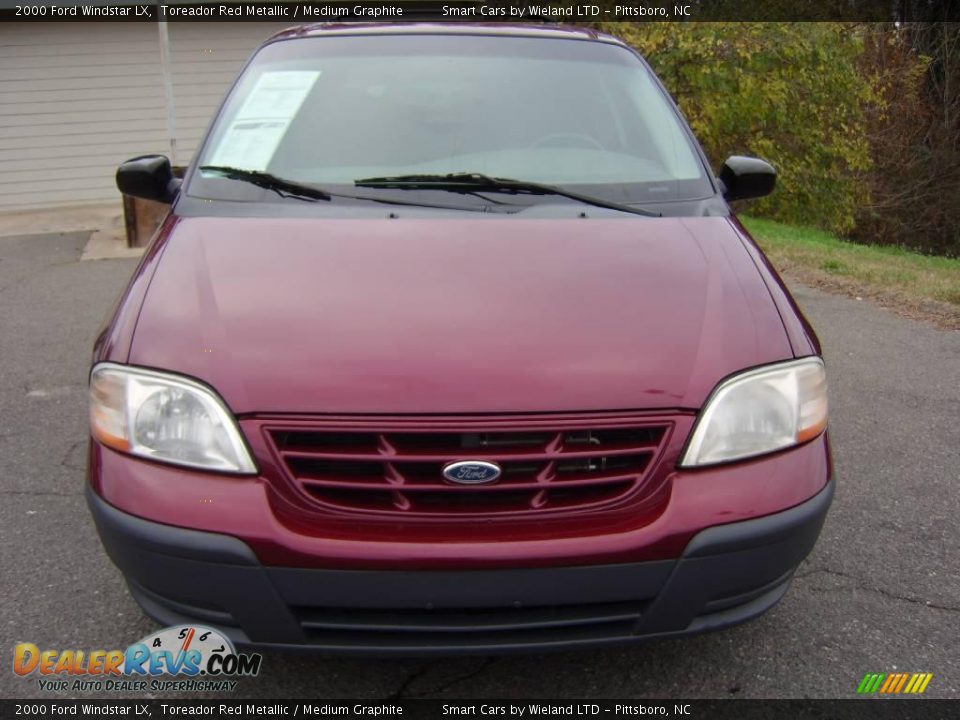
[[471, 472]]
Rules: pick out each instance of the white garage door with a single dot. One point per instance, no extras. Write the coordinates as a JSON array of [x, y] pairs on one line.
[[206, 59], [76, 99]]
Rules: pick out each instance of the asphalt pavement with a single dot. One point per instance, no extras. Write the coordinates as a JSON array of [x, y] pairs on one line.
[[880, 592]]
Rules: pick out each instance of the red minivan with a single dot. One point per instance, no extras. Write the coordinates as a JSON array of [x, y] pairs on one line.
[[450, 342]]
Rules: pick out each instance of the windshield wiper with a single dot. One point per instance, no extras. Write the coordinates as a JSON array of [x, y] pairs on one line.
[[290, 188], [267, 181], [477, 182]]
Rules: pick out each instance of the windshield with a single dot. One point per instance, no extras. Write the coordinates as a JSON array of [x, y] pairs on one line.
[[569, 113]]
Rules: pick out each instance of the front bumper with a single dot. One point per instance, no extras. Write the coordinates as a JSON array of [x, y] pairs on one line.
[[727, 574]]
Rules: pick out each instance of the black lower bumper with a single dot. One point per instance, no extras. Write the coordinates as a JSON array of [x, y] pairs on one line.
[[726, 575]]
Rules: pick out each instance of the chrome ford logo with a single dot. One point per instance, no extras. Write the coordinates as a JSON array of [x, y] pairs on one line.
[[471, 472]]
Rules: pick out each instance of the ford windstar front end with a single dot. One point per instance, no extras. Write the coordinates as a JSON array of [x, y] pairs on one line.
[[451, 342]]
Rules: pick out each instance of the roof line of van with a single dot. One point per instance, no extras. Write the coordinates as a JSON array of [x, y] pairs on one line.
[[556, 31]]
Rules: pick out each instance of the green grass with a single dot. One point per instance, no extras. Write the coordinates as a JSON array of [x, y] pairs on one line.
[[878, 270]]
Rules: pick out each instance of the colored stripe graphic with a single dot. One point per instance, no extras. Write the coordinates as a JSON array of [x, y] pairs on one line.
[[894, 683], [889, 682], [871, 682]]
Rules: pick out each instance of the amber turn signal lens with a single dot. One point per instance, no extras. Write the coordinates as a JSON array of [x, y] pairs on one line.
[[108, 422]]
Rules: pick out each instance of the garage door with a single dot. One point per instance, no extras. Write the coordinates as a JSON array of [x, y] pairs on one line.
[[76, 99], [206, 59]]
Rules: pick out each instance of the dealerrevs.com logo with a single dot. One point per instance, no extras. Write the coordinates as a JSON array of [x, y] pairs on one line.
[[182, 657]]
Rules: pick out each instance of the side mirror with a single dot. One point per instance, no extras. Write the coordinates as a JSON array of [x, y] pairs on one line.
[[746, 177], [149, 177]]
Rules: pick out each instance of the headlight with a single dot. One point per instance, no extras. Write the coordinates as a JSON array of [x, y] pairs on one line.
[[165, 417], [760, 411]]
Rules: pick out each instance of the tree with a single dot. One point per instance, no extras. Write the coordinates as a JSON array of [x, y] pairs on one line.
[[791, 93]]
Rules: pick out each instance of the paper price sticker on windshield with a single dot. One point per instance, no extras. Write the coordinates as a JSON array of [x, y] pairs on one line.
[[262, 121]]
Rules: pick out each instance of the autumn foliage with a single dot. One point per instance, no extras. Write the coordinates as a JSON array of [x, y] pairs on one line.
[[842, 110]]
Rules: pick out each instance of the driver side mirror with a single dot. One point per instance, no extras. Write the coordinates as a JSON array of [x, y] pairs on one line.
[[746, 177], [149, 177]]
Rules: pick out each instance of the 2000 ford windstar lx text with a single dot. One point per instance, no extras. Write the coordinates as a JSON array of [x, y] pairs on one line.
[[451, 343]]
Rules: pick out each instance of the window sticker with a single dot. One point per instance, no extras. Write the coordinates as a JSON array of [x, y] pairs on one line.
[[261, 122]]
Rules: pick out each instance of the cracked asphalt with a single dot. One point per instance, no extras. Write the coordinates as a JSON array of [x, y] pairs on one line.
[[880, 592]]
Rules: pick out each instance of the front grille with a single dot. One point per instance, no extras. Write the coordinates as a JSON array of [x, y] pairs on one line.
[[468, 626], [401, 471]]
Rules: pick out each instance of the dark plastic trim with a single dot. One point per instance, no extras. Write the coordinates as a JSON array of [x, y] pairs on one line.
[[118, 527], [728, 574], [764, 530]]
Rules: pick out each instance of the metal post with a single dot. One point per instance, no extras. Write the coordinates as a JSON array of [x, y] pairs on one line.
[[167, 73]]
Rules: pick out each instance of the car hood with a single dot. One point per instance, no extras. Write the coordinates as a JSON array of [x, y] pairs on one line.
[[457, 316]]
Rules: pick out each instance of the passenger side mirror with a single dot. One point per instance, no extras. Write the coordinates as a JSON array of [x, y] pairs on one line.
[[746, 177], [149, 177]]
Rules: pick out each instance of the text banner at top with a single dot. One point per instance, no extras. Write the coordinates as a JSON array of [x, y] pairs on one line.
[[478, 11]]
